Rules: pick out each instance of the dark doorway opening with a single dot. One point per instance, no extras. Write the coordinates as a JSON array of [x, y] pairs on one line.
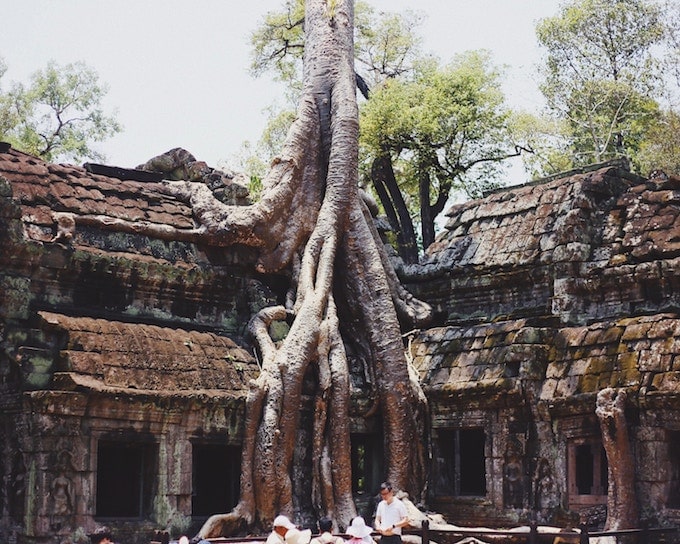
[[367, 465], [215, 478], [460, 463], [125, 479], [591, 469]]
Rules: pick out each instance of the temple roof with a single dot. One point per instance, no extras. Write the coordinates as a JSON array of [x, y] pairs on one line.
[[106, 355], [478, 362], [534, 224], [41, 189]]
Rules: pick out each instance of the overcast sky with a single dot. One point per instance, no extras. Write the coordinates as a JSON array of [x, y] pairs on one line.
[[177, 70]]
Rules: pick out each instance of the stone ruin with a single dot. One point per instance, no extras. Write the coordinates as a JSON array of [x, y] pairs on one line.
[[124, 362]]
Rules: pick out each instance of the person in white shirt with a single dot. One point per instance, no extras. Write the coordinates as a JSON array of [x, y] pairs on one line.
[[325, 535], [281, 526], [391, 516]]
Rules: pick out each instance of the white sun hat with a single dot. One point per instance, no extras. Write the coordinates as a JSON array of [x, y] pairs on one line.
[[294, 536], [283, 521], [358, 528]]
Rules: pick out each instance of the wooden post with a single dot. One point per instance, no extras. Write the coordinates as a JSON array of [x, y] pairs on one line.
[[425, 534], [533, 532]]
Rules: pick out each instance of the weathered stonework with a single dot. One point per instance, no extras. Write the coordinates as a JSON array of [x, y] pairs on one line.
[[113, 343], [107, 339], [551, 292]]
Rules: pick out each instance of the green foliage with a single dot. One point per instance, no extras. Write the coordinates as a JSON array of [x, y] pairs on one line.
[[278, 44], [603, 77], [549, 140], [661, 148], [386, 44], [449, 121], [59, 115]]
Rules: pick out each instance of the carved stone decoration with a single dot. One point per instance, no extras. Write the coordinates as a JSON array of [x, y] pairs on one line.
[[545, 486], [61, 503], [513, 477]]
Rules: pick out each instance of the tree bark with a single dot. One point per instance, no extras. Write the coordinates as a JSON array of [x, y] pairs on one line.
[[385, 183], [622, 507], [312, 222], [426, 217]]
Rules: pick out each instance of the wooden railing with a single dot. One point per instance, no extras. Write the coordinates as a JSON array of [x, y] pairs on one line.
[[659, 535], [532, 535]]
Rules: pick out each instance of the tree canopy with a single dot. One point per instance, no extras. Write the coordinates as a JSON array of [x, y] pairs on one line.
[[427, 129], [59, 115], [445, 129], [604, 77]]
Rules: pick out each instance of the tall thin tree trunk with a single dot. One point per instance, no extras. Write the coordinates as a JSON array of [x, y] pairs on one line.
[[385, 184]]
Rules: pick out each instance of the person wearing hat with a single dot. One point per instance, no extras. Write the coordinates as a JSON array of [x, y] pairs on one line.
[[101, 535], [295, 536], [359, 531], [390, 516], [325, 535], [281, 526]]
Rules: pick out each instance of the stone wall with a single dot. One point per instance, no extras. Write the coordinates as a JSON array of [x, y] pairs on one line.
[[549, 293], [111, 339]]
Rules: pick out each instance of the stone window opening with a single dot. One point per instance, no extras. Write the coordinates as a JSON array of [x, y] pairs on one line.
[[460, 467], [126, 479], [587, 472], [674, 472], [215, 482]]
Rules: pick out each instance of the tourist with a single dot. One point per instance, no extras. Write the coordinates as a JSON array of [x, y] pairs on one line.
[[101, 535], [325, 536], [359, 531], [295, 536], [390, 516], [281, 526]]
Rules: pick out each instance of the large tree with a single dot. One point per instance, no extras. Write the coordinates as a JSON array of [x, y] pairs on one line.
[[427, 130], [604, 75], [444, 129], [59, 115], [344, 301]]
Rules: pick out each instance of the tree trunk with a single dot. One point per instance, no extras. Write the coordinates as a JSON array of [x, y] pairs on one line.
[[312, 222], [385, 183], [426, 217], [622, 508]]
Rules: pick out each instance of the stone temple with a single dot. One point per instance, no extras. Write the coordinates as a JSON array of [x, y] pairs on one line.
[[124, 362]]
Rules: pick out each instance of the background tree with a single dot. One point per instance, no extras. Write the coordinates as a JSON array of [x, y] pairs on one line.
[[660, 150], [445, 129], [604, 75], [58, 115]]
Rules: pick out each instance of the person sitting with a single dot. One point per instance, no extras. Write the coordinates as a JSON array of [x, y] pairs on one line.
[[280, 527], [325, 535], [359, 531]]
